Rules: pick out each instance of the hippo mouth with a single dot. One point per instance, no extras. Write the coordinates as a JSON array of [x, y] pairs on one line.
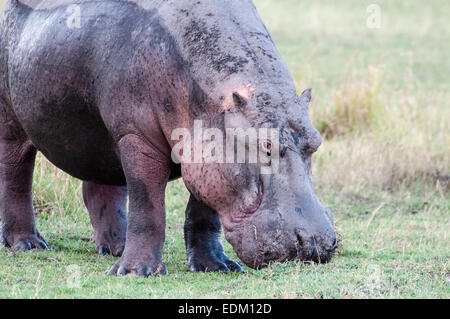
[[261, 246], [268, 235]]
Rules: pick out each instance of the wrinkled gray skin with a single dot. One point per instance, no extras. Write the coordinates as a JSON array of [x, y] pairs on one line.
[[101, 102]]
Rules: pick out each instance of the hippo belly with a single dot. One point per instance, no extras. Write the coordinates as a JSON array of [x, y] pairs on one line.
[[71, 135], [55, 105]]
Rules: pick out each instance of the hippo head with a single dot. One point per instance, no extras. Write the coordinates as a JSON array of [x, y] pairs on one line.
[[268, 207]]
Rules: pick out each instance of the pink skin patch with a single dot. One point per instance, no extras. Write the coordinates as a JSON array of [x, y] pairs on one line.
[[235, 86]]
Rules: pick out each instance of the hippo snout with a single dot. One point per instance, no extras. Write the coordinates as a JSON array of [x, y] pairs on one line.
[[319, 249], [272, 235]]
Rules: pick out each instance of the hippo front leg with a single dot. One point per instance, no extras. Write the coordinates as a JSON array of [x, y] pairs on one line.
[[147, 172], [107, 211], [202, 232]]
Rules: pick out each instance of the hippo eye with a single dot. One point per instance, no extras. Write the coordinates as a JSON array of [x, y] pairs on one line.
[[267, 147]]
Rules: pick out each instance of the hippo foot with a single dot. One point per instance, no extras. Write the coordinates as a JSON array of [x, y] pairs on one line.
[[114, 249], [107, 211], [26, 242], [138, 268], [213, 263], [202, 231]]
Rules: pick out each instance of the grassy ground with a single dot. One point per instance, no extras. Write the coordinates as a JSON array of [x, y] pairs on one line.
[[381, 98]]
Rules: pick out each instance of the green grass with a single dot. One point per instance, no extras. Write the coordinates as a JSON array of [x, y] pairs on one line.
[[384, 173], [398, 250]]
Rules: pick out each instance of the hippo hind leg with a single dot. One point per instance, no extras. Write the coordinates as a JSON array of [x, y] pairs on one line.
[[17, 156], [202, 232], [107, 211]]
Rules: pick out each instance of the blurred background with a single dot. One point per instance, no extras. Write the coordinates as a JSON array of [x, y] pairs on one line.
[[381, 91]]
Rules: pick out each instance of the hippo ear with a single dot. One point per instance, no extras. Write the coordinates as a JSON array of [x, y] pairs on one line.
[[306, 96], [239, 101]]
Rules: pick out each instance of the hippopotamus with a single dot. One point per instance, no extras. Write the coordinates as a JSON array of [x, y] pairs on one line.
[[98, 87]]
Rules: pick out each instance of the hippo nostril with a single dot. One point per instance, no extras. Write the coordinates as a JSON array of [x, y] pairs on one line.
[[334, 245]]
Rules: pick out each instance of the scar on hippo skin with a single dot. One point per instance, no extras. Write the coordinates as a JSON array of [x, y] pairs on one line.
[[107, 207], [202, 231]]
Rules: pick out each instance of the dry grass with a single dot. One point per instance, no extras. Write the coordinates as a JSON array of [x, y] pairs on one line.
[[382, 140], [55, 192], [356, 106]]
